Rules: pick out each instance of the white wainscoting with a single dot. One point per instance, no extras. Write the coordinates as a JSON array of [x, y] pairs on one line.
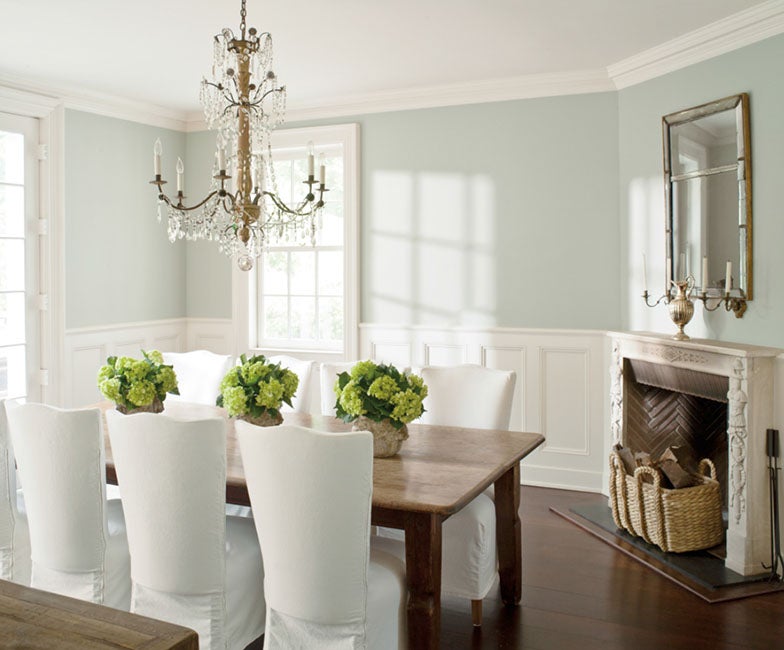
[[87, 348], [561, 392]]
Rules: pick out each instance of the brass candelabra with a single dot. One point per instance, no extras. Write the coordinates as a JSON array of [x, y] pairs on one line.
[[681, 306]]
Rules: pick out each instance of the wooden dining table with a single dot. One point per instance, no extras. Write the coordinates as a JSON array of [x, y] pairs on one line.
[[437, 472]]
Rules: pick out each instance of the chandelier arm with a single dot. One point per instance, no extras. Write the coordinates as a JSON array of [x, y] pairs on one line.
[[224, 93], [256, 102], [179, 206], [228, 202], [284, 208]]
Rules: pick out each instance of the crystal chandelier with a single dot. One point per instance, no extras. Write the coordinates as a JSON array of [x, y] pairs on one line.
[[243, 102]]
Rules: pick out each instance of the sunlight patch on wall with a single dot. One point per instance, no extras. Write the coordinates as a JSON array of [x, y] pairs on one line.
[[431, 251], [646, 235]]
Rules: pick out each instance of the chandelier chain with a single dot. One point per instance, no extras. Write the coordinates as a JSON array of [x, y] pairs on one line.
[[243, 13]]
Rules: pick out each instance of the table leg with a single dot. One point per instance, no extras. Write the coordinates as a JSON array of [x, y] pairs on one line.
[[423, 573], [507, 523]]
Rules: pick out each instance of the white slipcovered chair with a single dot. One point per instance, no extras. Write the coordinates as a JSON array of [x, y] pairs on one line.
[[326, 584], [199, 374], [303, 369], [328, 375], [479, 398], [190, 564], [77, 538], [14, 532]]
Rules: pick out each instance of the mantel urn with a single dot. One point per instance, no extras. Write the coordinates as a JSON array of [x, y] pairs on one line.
[[681, 307]]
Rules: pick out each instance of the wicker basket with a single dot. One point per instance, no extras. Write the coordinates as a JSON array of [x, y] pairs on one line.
[[687, 519]]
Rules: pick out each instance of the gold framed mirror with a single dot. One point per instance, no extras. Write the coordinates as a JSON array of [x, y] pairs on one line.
[[708, 200]]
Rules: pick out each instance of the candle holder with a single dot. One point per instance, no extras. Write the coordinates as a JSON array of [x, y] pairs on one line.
[[681, 306]]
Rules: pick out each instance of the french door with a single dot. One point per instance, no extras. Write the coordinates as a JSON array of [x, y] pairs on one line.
[[20, 229]]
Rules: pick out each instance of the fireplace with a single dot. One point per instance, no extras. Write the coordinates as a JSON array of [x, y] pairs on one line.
[[718, 399], [671, 407]]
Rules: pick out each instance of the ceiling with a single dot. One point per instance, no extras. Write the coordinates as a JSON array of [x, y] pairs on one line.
[[156, 51]]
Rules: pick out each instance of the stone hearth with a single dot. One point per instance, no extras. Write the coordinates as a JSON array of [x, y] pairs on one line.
[[748, 372]]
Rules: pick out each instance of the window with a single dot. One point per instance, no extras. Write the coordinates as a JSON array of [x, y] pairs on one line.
[[304, 298], [19, 341]]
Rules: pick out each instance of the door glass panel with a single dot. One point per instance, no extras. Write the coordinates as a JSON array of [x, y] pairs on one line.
[[12, 265], [11, 158], [12, 318], [11, 210], [12, 372]]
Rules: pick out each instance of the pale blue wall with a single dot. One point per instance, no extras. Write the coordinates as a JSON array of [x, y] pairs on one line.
[[497, 214], [119, 265], [207, 270], [755, 69], [530, 213]]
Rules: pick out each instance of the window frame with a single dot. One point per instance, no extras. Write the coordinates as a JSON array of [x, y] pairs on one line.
[[245, 285]]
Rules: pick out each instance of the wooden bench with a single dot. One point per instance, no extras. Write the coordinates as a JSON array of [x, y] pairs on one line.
[[39, 620]]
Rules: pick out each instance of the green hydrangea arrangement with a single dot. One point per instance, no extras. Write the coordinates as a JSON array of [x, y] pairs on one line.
[[378, 392], [257, 388], [136, 384]]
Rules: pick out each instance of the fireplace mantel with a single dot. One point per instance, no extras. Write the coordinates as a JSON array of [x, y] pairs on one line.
[[750, 412]]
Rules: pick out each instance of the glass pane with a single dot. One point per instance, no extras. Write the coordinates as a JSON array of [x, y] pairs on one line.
[[302, 273], [12, 265], [334, 171], [706, 224], [303, 318], [704, 143], [331, 232], [331, 319], [299, 171], [12, 210], [275, 274], [283, 179], [11, 157], [12, 372], [331, 273], [12, 318], [275, 318]]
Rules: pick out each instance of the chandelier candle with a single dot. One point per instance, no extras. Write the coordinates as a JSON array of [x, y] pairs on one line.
[[243, 103]]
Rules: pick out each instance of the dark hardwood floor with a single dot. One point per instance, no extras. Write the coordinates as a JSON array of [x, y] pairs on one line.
[[578, 592]]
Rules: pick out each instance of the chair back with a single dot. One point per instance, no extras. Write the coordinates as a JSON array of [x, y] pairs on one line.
[[199, 374], [311, 498], [303, 369], [468, 396], [173, 478], [60, 457], [328, 376]]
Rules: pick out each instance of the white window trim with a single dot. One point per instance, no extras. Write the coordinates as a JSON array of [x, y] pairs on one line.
[[244, 284], [50, 113]]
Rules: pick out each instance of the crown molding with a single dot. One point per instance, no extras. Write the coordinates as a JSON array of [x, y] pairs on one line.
[[480, 92], [731, 33], [94, 102], [743, 28], [21, 102]]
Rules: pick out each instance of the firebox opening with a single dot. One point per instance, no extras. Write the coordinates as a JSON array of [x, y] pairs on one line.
[[666, 407]]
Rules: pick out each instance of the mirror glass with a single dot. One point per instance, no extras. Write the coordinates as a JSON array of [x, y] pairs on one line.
[[707, 177]]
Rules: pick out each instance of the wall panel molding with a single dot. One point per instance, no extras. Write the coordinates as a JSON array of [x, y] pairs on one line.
[[555, 368], [86, 348]]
